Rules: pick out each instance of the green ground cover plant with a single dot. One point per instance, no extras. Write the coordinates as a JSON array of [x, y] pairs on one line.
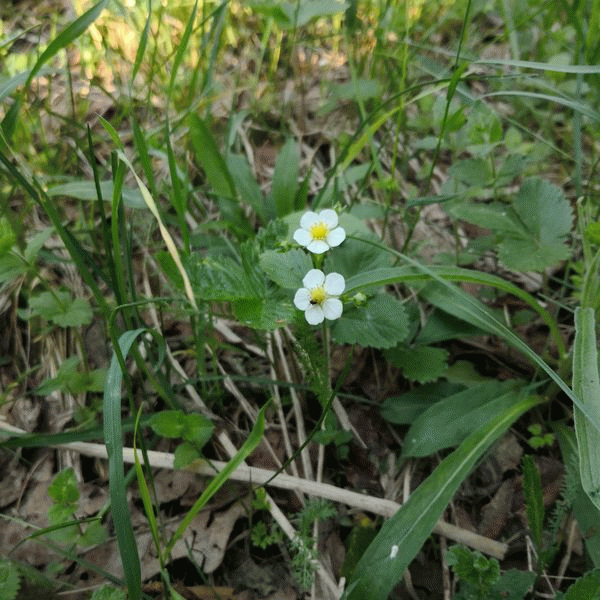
[[344, 249]]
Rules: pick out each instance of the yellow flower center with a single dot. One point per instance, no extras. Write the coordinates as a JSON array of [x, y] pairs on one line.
[[319, 231], [318, 295]]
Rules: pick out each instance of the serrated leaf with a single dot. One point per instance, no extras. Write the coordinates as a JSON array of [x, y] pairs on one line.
[[421, 363], [63, 489], [380, 323], [9, 580], [286, 269], [60, 308], [355, 256], [587, 586], [546, 215], [449, 421], [264, 313], [514, 584], [220, 280]]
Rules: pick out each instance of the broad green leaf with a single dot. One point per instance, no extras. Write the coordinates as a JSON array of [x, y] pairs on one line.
[[60, 308], [472, 171], [353, 256], [403, 535], [219, 279], [404, 409], [380, 323], [448, 422], [264, 313], [63, 489], [11, 267], [286, 269], [514, 584], [441, 326], [534, 503], [494, 215], [586, 386], [192, 427], [586, 587], [184, 455], [359, 90], [420, 363], [285, 178], [35, 243]]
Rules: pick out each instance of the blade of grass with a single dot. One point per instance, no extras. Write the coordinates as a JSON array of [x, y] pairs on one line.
[[401, 537], [113, 437], [586, 386]]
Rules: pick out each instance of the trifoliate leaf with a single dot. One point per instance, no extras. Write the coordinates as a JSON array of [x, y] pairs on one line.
[[380, 323], [422, 364], [546, 219], [61, 309]]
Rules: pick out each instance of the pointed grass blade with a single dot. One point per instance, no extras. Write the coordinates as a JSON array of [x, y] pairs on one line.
[[401, 537]]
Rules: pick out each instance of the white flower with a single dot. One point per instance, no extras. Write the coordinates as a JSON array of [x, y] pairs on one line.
[[319, 298], [319, 231]]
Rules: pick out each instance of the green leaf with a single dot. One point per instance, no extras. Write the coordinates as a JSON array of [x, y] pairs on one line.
[[63, 489], [286, 269], [113, 437], [586, 386], [380, 323], [449, 421], [421, 363], [472, 171], [405, 408], [107, 592], [209, 157], [192, 427], [473, 568], [587, 586], [534, 503], [264, 313], [185, 454], [402, 536], [60, 308], [9, 580], [514, 584], [248, 188], [220, 279], [7, 236], [285, 178], [354, 256], [546, 217]]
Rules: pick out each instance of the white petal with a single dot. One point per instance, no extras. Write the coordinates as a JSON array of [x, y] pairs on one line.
[[314, 278], [314, 314], [302, 237], [334, 284], [329, 217], [309, 218], [302, 299], [335, 237], [332, 308], [317, 247]]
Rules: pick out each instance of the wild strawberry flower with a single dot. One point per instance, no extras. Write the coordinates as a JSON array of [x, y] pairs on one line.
[[319, 298], [319, 231]]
